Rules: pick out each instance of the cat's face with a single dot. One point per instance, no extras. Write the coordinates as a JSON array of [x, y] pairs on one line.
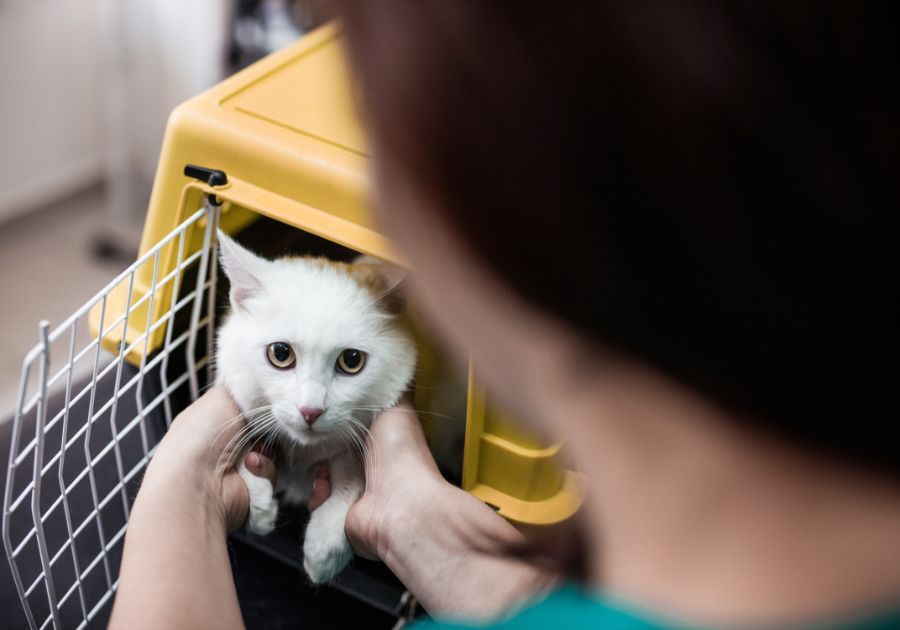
[[313, 342]]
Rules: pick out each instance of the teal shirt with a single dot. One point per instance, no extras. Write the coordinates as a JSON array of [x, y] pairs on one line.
[[571, 608]]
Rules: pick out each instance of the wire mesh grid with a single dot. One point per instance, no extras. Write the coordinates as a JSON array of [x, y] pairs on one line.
[[88, 421]]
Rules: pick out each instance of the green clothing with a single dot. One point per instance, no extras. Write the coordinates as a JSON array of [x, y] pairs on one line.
[[571, 608]]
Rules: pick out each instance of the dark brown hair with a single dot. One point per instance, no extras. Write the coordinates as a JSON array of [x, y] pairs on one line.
[[707, 186]]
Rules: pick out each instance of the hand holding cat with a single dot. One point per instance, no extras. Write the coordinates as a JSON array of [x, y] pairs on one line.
[[408, 516], [400, 472], [445, 545], [197, 439], [176, 533]]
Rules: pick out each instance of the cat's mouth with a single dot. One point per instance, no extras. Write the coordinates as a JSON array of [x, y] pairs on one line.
[[305, 435]]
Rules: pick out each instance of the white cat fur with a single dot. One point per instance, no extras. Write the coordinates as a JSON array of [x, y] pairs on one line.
[[320, 310]]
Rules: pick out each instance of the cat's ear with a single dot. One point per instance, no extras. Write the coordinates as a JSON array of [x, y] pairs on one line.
[[386, 280], [243, 268]]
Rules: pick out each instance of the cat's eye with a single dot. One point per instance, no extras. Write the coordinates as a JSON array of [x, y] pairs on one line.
[[351, 361], [281, 355]]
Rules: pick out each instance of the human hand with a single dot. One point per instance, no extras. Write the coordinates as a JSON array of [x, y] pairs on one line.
[[175, 550], [450, 549], [196, 448], [400, 473]]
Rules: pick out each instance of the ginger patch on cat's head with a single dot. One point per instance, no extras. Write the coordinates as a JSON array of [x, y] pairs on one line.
[[383, 280]]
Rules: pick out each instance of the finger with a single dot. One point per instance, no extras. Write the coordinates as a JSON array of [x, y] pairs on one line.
[[261, 466], [264, 447], [321, 490], [398, 431]]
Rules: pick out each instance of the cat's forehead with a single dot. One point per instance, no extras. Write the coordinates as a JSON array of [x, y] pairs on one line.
[[314, 301], [319, 277]]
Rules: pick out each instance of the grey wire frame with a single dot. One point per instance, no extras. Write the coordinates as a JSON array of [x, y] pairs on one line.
[[67, 576]]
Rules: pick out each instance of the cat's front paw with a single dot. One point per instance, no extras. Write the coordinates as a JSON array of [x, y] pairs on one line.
[[261, 520], [263, 504], [325, 554]]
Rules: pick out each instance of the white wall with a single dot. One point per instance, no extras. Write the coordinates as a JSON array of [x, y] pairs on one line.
[[158, 53], [51, 101]]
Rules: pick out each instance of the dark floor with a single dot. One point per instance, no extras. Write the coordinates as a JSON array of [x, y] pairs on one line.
[[273, 595], [13, 617]]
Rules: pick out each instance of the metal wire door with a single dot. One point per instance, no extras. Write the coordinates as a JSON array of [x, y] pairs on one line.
[[87, 422]]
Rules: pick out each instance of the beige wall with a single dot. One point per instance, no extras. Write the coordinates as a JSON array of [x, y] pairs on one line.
[[51, 124]]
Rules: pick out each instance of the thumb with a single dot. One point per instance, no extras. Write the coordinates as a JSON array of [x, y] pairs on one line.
[[261, 466]]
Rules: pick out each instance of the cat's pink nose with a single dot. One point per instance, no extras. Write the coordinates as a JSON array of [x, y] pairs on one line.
[[311, 414]]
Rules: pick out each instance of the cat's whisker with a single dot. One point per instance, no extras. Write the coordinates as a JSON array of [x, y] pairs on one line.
[[358, 444], [205, 388], [420, 412], [241, 416], [250, 426], [368, 447], [355, 422], [231, 453], [243, 446], [343, 437], [291, 453], [244, 437], [345, 432], [348, 439], [271, 435], [226, 448], [361, 441]]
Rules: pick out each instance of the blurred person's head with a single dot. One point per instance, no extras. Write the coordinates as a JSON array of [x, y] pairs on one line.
[[700, 188]]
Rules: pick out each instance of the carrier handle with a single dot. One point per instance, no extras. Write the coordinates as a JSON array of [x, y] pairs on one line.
[[211, 176]]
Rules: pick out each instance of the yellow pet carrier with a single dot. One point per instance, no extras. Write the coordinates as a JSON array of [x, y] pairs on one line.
[[275, 154]]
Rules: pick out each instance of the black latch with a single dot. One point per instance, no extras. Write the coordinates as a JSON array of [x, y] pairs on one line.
[[211, 176]]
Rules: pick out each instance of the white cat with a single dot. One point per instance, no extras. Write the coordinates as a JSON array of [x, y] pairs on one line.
[[310, 351]]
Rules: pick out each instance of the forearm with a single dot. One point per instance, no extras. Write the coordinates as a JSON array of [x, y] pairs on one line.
[[175, 568], [452, 552]]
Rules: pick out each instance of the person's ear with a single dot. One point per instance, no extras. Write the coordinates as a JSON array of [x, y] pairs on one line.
[[243, 268]]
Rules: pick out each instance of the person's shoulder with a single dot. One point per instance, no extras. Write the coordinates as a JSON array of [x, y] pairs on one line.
[[573, 607], [566, 608]]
